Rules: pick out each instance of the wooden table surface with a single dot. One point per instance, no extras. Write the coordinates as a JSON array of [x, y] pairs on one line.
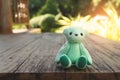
[[31, 57]]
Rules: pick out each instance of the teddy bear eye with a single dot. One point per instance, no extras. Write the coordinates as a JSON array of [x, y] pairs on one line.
[[81, 34], [70, 33]]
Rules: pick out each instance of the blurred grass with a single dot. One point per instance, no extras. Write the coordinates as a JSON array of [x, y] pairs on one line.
[[19, 26]]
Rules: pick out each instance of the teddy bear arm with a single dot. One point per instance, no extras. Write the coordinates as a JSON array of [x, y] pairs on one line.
[[63, 50], [85, 52]]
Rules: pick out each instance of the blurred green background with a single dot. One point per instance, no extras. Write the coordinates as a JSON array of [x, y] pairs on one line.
[[101, 16], [44, 12]]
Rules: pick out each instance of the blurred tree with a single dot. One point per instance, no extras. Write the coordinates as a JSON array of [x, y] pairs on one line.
[[50, 7], [70, 7], [49, 23], [35, 6], [116, 3], [84, 7], [75, 7], [99, 8], [65, 7], [5, 17]]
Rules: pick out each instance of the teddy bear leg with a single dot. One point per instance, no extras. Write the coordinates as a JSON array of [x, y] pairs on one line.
[[65, 61], [81, 62]]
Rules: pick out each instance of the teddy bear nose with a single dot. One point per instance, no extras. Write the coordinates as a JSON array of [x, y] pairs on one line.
[[76, 34]]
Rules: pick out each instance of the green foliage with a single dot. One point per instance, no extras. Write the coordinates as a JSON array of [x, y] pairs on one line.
[[50, 7], [69, 7], [72, 21], [49, 23], [41, 9], [46, 16], [36, 21], [75, 7], [35, 6]]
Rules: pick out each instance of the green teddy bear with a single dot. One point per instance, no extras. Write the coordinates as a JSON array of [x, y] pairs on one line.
[[73, 51]]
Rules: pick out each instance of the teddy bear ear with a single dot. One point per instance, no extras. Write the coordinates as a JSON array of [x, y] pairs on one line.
[[65, 31]]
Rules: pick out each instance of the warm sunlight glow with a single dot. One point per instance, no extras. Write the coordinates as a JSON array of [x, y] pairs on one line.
[[106, 26], [100, 18]]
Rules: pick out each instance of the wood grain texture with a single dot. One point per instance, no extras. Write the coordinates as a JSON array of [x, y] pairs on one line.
[[31, 57]]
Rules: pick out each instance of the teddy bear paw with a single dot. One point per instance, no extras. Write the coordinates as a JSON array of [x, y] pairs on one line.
[[81, 63]]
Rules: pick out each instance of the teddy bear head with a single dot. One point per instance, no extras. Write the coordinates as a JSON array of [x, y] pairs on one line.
[[75, 34]]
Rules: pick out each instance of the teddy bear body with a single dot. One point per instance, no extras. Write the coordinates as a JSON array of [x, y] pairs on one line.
[[73, 51]]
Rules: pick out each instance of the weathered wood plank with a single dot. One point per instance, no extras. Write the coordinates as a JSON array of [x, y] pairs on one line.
[[14, 56], [42, 58], [35, 53], [109, 55], [33, 76], [60, 76], [92, 76]]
